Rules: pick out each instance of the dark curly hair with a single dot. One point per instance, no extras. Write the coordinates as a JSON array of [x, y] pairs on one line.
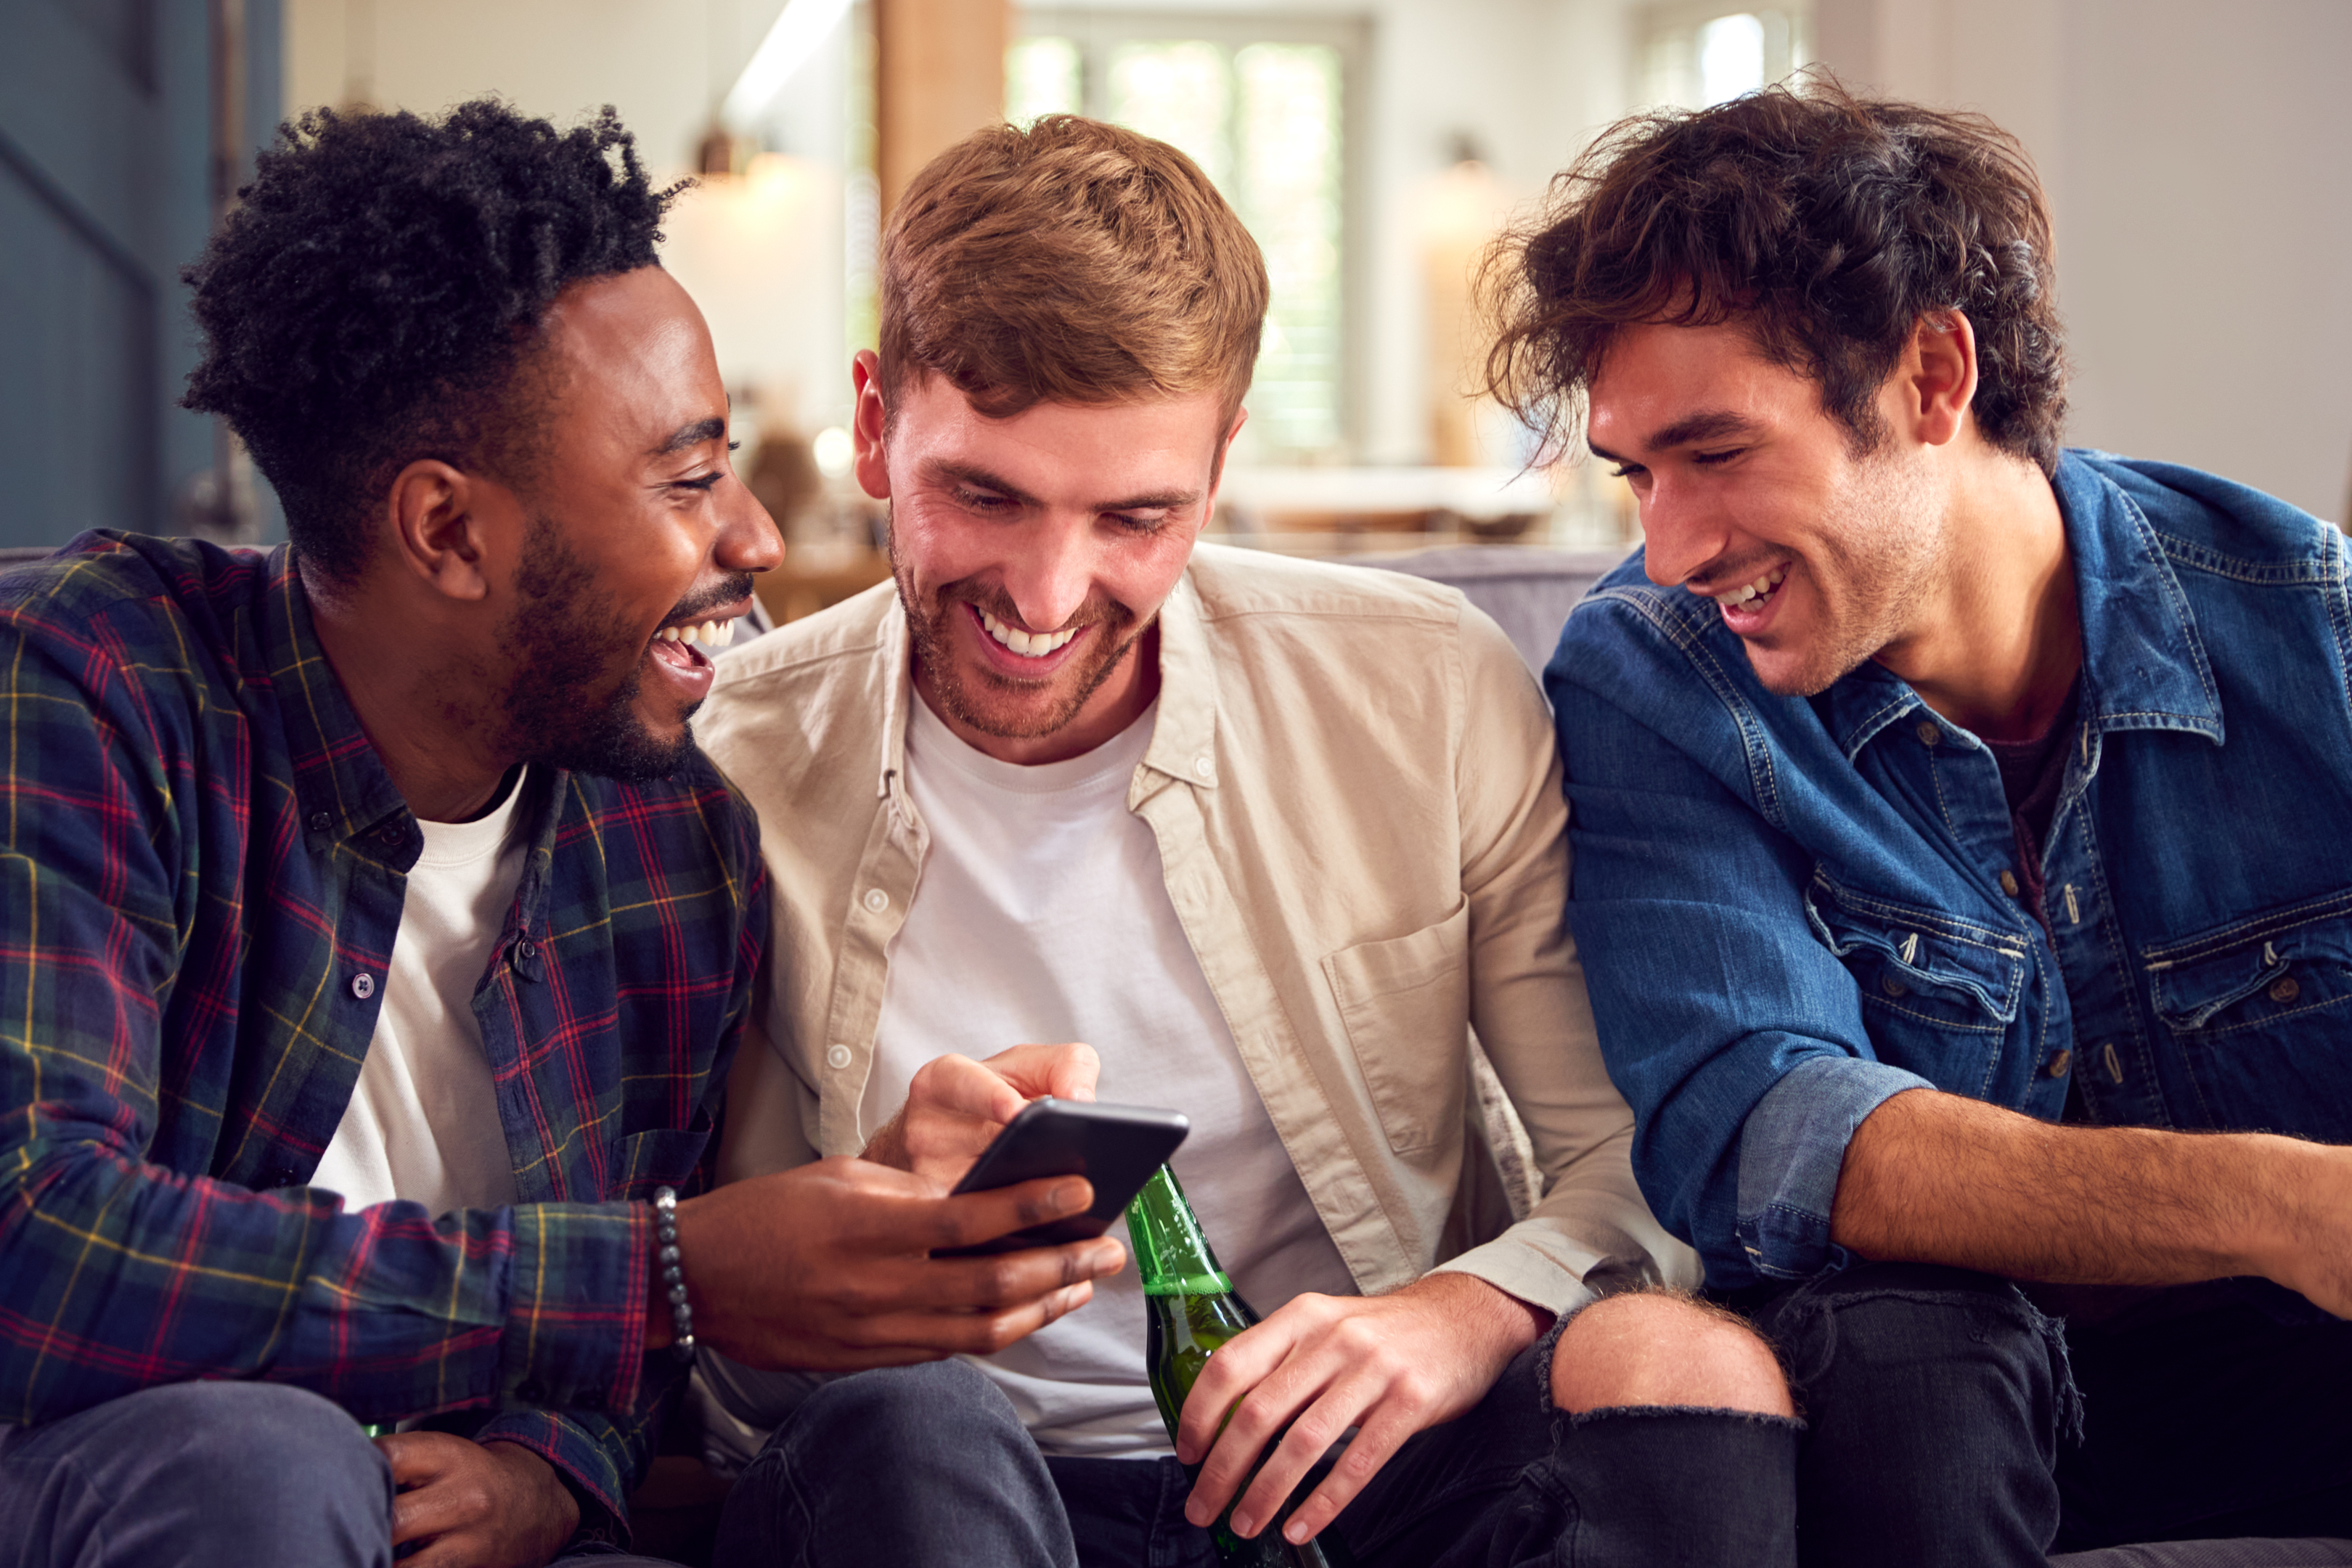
[[375, 297], [1826, 224]]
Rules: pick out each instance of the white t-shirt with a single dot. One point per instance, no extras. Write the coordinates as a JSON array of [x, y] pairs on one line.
[[1042, 916], [423, 1123]]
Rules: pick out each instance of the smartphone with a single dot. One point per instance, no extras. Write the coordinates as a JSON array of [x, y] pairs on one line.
[[1116, 1147]]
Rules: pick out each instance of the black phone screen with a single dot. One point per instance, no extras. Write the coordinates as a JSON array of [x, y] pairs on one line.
[[1116, 1147]]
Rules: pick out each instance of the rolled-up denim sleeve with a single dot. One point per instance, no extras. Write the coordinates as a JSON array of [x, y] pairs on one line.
[[1735, 1032], [1792, 1148]]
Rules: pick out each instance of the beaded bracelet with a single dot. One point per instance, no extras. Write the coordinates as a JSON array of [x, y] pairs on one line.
[[681, 1316]]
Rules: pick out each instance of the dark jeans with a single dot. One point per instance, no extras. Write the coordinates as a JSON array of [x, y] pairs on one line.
[[1944, 1425], [930, 1465], [202, 1475]]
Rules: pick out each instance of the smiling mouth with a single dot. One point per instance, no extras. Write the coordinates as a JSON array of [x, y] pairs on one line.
[[1028, 644], [1751, 596], [689, 647]]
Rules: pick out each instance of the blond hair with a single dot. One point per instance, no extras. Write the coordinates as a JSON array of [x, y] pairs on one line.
[[1072, 262]]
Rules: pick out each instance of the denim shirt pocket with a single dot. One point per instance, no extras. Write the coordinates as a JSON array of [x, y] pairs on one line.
[[1934, 990], [1405, 1003], [2258, 1008]]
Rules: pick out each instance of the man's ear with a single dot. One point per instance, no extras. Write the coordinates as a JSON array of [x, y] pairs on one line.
[[1224, 447], [868, 423], [1939, 375], [437, 530]]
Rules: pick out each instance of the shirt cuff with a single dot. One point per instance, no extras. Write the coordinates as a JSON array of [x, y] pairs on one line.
[[1792, 1147], [578, 1289], [591, 1474]]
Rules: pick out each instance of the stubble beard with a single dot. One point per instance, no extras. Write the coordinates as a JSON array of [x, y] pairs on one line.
[[1879, 555], [560, 639], [1112, 631]]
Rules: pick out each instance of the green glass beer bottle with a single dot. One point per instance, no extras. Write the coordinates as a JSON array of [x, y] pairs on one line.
[[1194, 1309]]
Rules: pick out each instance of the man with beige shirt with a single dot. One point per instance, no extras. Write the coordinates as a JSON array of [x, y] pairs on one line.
[[1273, 838]]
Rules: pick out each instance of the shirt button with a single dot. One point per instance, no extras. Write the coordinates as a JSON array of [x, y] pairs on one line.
[[2008, 883], [2285, 989], [2060, 1063], [1892, 986], [527, 948], [321, 821], [1202, 766], [837, 1058], [877, 901], [362, 986], [1928, 733]]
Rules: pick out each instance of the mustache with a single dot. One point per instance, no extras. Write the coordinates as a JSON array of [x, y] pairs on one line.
[[727, 591]]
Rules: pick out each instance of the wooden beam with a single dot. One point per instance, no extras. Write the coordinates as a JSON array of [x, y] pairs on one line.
[[938, 76]]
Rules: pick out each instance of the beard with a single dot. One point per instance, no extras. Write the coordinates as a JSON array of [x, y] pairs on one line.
[[1880, 551], [562, 638], [994, 704]]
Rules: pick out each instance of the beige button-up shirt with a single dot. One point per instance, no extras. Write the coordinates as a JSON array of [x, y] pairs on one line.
[[1352, 782]]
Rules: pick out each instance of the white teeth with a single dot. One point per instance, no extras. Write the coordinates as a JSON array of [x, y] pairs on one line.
[[713, 634], [1029, 645], [1749, 591]]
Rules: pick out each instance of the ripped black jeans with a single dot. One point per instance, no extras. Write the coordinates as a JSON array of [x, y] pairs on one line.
[[1951, 1422]]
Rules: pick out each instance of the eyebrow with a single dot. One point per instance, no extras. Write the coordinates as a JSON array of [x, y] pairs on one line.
[[711, 429], [942, 468], [1709, 424]]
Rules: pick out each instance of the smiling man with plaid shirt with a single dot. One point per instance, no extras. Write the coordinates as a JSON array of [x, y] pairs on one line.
[[373, 939]]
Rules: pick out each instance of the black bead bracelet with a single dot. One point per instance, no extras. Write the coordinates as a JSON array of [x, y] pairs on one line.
[[681, 1316]]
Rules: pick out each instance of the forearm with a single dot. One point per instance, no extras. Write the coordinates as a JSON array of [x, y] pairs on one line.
[[1494, 1325], [379, 1311], [1935, 1177]]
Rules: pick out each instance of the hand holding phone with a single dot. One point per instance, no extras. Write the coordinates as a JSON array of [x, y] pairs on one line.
[[1115, 1147]]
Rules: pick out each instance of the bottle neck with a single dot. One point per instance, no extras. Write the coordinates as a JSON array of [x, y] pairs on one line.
[[1171, 1257]]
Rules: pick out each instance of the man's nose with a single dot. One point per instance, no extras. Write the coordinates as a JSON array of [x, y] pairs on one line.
[[1678, 536], [1052, 573], [748, 539]]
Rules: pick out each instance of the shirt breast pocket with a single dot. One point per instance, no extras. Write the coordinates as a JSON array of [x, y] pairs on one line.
[[1405, 1003], [2260, 1010], [1934, 993]]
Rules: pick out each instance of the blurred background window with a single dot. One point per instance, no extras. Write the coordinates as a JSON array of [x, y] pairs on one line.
[[1261, 104], [1693, 56]]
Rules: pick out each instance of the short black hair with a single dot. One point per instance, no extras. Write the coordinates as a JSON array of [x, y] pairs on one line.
[[1826, 222], [372, 297]]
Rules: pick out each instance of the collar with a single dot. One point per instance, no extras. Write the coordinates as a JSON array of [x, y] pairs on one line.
[[1183, 737], [341, 785], [2144, 662], [339, 781]]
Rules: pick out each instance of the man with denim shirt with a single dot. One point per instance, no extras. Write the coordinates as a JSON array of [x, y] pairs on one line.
[[1953, 821]]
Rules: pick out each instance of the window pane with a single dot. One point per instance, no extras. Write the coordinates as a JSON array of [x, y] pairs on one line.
[[1287, 188], [1181, 93], [1730, 57], [1042, 77]]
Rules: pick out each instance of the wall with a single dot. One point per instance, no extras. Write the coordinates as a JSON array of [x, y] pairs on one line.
[[765, 256], [2196, 156], [105, 193]]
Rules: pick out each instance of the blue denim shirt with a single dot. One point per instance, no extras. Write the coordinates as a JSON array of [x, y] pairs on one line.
[[1790, 909]]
